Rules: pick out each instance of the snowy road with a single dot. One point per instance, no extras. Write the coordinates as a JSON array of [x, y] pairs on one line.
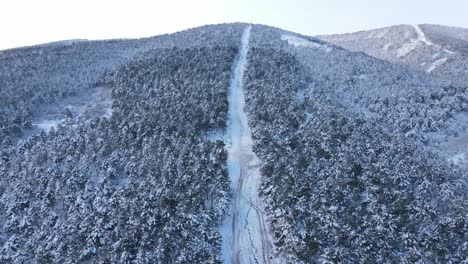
[[245, 233]]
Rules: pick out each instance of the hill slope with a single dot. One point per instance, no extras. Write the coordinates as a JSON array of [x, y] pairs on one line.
[[344, 152], [439, 50]]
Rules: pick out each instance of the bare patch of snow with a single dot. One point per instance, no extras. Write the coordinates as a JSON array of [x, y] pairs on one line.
[[121, 182], [436, 64], [382, 33], [214, 135], [379, 33], [47, 125], [300, 95], [386, 47], [362, 76], [457, 147], [308, 115], [302, 42], [407, 48], [422, 38], [458, 158], [96, 104], [435, 55], [452, 142]]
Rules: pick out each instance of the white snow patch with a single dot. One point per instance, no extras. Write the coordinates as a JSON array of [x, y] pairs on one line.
[[457, 148], [382, 33], [379, 33], [452, 142], [215, 135], [121, 182], [458, 158], [68, 42], [300, 95], [302, 42], [96, 104], [386, 47], [362, 76], [47, 125], [436, 64], [435, 55], [407, 48], [422, 38], [245, 234], [308, 115]]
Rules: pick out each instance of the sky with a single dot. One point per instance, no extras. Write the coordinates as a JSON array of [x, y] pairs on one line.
[[29, 22]]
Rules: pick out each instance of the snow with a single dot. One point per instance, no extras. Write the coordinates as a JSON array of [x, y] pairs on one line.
[[458, 158], [386, 47], [407, 48], [122, 182], [68, 42], [47, 125], [436, 64], [379, 33], [457, 147], [302, 42], [215, 135], [300, 95], [97, 104], [422, 38], [382, 33], [452, 142], [307, 115], [244, 232]]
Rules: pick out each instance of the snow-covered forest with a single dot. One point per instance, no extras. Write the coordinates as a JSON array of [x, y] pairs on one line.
[[144, 185], [347, 175], [347, 149]]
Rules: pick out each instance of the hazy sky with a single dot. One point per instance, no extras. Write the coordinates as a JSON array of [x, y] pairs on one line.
[[38, 21]]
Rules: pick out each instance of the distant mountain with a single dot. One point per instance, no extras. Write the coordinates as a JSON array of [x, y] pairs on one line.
[[232, 143], [438, 50]]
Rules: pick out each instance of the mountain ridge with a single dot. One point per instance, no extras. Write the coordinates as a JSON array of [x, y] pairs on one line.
[[438, 50]]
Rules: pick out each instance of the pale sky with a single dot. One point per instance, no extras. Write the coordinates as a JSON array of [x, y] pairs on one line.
[[29, 22]]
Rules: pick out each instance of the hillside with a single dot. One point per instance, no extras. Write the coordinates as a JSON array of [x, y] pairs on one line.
[[231, 143], [438, 50]]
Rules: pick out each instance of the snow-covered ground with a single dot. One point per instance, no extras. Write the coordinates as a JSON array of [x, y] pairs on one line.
[[245, 233], [456, 148], [97, 104], [214, 135], [452, 142], [422, 38], [407, 48], [436, 64], [302, 42]]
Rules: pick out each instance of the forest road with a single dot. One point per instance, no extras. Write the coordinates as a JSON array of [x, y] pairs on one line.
[[245, 234]]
